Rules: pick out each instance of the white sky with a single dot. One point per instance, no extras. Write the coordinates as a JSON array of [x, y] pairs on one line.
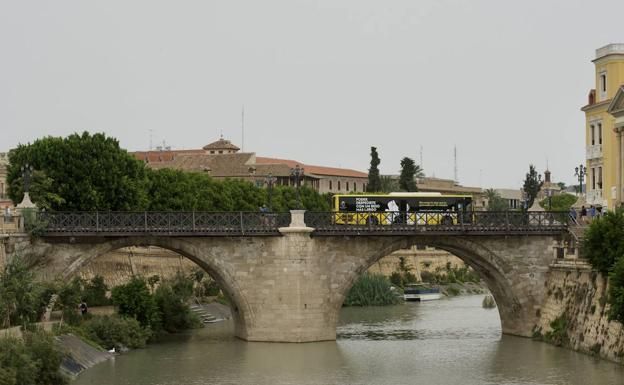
[[321, 81]]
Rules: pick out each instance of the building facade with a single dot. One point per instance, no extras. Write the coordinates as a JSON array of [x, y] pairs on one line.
[[603, 144], [222, 159]]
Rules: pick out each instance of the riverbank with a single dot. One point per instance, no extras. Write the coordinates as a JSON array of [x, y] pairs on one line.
[[575, 313]]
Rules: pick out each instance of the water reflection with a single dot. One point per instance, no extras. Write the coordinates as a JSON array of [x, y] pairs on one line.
[[436, 343]]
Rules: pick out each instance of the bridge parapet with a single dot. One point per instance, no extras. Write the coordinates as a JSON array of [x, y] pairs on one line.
[[436, 222], [194, 223]]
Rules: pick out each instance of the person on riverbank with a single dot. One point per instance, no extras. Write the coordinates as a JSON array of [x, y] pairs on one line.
[[83, 308], [583, 214], [592, 213]]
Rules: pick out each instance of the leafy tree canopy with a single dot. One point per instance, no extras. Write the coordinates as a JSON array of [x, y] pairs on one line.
[[532, 185], [495, 201], [79, 172], [560, 202], [374, 181], [409, 173]]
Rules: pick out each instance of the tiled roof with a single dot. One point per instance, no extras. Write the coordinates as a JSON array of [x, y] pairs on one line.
[[221, 144], [162, 156], [311, 169]]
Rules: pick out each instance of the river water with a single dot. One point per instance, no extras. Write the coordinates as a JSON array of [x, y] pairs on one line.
[[450, 341]]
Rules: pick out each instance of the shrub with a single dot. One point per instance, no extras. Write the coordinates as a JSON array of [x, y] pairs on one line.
[[116, 332], [135, 300], [33, 360], [558, 335], [603, 243], [616, 291], [174, 312], [371, 290], [94, 292], [19, 294], [69, 296]]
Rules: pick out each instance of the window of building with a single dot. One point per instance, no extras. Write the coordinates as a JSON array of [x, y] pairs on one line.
[[330, 184], [592, 135], [347, 186], [603, 85], [338, 185], [354, 187], [599, 133], [593, 178], [212, 151], [600, 177], [220, 151]]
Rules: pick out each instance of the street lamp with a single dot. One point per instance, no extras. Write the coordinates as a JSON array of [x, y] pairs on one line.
[[270, 180], [549, 193], [580, 172], [297, 175], [27, 171]]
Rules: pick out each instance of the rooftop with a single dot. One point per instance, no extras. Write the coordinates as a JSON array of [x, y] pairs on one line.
[[221, 144], [611, 49]]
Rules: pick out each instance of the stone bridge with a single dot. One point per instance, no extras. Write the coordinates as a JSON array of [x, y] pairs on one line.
[[287, 283]]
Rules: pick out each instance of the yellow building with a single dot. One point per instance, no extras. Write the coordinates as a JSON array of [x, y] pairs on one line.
[[603, 144]]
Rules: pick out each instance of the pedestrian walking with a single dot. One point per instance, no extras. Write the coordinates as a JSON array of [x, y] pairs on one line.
[[583, 214], [592, 213]]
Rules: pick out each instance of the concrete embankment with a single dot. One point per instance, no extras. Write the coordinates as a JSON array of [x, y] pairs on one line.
[[575, 313], [79, 355]]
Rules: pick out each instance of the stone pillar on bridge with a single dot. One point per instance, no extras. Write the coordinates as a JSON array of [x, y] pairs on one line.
[[291, 300]]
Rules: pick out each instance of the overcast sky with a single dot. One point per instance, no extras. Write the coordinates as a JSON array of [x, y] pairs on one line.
[[321, 81]]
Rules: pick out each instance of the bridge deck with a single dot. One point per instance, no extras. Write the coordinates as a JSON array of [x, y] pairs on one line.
[[115, 224]]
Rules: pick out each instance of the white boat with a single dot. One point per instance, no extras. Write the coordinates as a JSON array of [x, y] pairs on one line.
[[420, 292]]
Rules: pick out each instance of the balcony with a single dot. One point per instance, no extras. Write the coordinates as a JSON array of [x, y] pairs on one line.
[[594, 151], [594, 197]]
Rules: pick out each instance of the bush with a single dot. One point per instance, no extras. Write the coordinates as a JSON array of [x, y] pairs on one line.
[[558, 335], [135, 300], [116, 332], [19, 294], [371, 290], [174, 312], [94, 292], [616, 291], [603, 243], [33, 360]]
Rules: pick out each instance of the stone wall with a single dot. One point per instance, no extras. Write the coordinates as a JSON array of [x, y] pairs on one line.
[[428, 259], [578, 294], [118, 267]]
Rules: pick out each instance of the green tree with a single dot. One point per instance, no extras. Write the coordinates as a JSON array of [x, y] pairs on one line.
[[603, 242], [374, 181], [560, 202], [532, 185], [616, 291], [495, 201], [95, 292], [19, 294], [80, 172], [135, 300], [407, 179]]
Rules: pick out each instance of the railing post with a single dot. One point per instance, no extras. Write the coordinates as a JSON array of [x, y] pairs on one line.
[[145, 221], [461, 220], [241, 223], [97, 222], [193, 220], [507, 220]]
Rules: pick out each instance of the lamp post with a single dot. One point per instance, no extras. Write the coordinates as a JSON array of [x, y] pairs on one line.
[[549, 193], [270, 180], [297, 175], [580, 172]]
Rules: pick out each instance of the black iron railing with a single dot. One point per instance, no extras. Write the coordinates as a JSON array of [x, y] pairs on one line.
[[162, 223], [478, 222]]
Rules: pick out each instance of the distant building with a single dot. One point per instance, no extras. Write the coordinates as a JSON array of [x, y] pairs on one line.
[[604, 124], [449, 186], [513, 197], [222, 159]]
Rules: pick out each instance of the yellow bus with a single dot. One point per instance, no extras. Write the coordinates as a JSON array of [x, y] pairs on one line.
[[412, 208]]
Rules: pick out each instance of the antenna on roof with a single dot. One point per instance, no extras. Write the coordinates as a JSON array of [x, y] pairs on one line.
[[243, 129], [455, 164]]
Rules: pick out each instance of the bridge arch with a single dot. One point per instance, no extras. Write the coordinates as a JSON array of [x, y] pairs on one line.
[[209, 259], [514, 278]]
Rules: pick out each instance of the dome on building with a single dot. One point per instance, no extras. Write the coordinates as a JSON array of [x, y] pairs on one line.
[[221, 146]]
